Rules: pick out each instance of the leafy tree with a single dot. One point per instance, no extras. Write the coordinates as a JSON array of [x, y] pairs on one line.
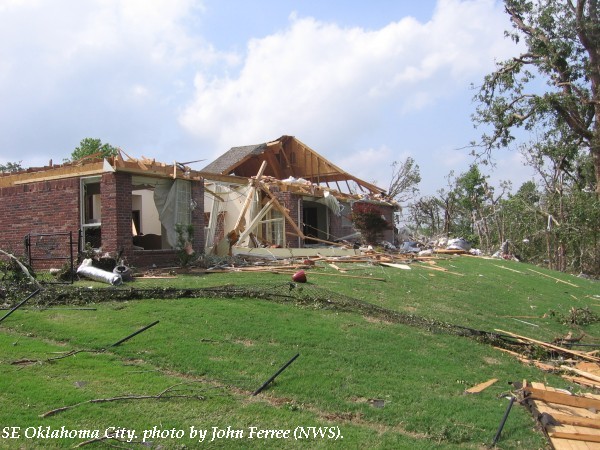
[[369, 220], [562, 47], [89, 146], [406, 177], [10, 167]]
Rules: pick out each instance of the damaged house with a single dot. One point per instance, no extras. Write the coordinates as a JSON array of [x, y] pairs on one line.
[[280, 199], [126, 207], [276, 199]]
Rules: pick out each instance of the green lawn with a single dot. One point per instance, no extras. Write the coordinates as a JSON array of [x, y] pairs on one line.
[[368, 381]]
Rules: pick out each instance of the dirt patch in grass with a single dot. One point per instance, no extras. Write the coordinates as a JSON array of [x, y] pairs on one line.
[[244, 342], [377, 320]]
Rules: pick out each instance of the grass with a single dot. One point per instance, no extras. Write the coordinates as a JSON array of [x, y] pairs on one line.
[[381, 384]]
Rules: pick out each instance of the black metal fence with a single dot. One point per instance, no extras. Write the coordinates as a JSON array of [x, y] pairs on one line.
[[51, 250]]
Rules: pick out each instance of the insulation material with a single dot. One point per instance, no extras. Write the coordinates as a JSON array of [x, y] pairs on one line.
[[331, 202], [173, 202], [87, 270]]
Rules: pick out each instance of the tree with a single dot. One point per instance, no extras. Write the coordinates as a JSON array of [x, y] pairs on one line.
[[370, 221], [10, 167], [562, 47], [89, 147], [406, 177]]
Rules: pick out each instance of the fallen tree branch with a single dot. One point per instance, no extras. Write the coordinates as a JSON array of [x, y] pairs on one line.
[[23, 268], [161, 395]]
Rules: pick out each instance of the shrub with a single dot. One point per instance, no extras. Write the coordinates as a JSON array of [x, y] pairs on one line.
[[370, 221]]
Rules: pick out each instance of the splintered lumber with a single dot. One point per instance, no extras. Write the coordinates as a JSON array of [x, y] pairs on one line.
[[238, 223], [584, 374], [507, 268], [538, 364], [582, 381], [582, 355], [397, 266], [337, 268], [481, 386], [440, 269], [553, 278]]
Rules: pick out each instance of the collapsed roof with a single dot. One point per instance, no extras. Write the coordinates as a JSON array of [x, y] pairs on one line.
[[287, 157]]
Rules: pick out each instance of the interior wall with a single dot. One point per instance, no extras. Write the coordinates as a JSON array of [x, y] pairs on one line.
[[143, 201]]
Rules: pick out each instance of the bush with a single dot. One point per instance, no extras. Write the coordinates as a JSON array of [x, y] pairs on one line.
[[370, 221]]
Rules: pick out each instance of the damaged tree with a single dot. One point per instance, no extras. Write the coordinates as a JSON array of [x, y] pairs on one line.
[[562, 46]]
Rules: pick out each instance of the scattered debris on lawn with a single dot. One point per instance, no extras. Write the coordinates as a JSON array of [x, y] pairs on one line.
[[170, 392], [585, 364], [94, 273]]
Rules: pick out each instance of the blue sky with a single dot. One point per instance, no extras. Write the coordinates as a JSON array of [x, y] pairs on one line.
[[362, 83]]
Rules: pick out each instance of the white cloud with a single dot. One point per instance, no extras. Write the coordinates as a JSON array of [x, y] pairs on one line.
[[332, 86], [100, 68]]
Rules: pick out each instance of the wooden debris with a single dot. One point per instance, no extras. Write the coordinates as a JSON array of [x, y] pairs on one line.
[[337, 268], [570, 421], [584, 374], [582, 381], [397, 266], [579, 354], [481, 386], [555, 279], [507, 268]]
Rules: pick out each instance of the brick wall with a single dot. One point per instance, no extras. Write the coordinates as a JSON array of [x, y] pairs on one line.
[[115, 191], [53, 206], [42, 207]]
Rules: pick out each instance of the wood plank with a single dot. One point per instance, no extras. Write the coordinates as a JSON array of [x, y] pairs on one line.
[[249, 197], [562, 399], [584, 374], [265, 209], [553, 278], [337, 268], [582, 381], [397, 266], [575, 436], [481, 386], [576, 421]]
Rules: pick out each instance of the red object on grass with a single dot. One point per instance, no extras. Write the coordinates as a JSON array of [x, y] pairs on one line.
[[299, 277]]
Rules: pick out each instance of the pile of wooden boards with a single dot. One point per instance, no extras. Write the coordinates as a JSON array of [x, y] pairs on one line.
[[570, 421]]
